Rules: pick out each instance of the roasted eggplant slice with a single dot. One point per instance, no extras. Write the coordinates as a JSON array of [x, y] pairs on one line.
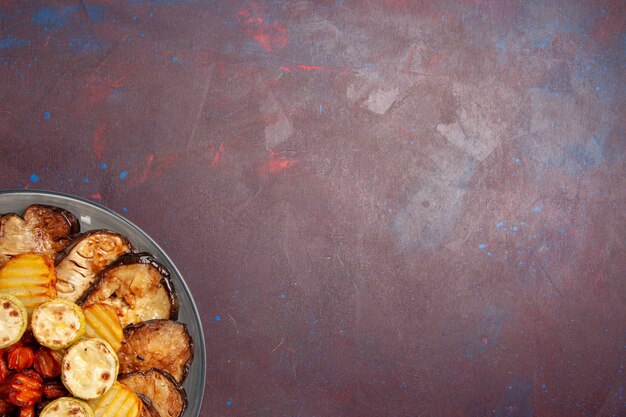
[[160, 344], [137, 287], [43, 229], [148, 409], [160, 388], [85, 258]]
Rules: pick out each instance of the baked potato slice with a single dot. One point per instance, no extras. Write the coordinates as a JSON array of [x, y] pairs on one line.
[[137, 287], [160, 389], [160, 344], [43, 229], [89, 254]]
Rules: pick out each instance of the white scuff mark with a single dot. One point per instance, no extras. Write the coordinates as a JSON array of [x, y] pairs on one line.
[[279, 128], [85, 220], [379, 101]]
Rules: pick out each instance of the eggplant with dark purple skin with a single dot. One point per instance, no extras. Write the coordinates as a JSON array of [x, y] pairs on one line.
[[137, 287], [148, 409], [159, 344], [46, 230], [78, 266], [159, 389]]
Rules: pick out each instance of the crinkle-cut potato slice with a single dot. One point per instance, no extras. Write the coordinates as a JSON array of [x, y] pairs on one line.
[[67, 407], [119, 401], [161, 344], [160, 388], [137, 287], [102, 322], [85, 258], [31, 278], [43, 229]]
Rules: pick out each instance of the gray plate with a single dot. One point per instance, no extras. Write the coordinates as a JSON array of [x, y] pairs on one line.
[[94, 216]]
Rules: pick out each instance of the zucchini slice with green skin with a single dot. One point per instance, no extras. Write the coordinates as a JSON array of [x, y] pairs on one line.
[[58, 323], [13, 320], [67, 407], [78, 266], [138, 287], [89, 368], [119, 401], [160, 388], [161, 344]]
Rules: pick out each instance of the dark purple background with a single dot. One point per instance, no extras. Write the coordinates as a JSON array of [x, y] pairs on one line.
[[383, 208]]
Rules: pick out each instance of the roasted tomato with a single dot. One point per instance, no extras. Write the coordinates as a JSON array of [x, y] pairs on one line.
[[22, 388]]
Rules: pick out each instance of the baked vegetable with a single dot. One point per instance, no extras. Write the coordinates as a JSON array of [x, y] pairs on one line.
[[89, 368], [137, 287], [102, 322], [85, 258], [160, 344], [67, 407], [147, 409], [43, 229], [31, 278], [13, 320], [159, 389], [119, 401], [58, 323]]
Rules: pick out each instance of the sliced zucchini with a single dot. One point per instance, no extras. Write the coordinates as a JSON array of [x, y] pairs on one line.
[[89, 368], [161, 344], [43, 229], [13, 320], [119, 401], [160, 388], [31, 278], [102, 322], [137, 287], [58, 323], [67, 407], [85, 258]]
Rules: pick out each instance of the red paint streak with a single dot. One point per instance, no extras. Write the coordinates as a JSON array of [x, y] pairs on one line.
[[301, 67], [218, 154], [277, 163], [271, 36], [96, 92], [146, 169], [99, 142], [96, 196]]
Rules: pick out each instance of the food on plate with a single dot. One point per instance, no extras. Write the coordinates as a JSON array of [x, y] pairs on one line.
[[43, 229], [67, 407], [30, 277], [159, 389], [63, 326], [13, 320], [85, 258], [58, 323], [119, 401], [102, 322], [89, 368], [137, 287], [160, 344]]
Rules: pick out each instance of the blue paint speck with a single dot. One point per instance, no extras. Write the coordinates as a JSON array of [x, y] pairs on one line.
[[85, 180], [46, 115], [517, 161], [218, 318], [103, 165], [489, 254], [229, 403], [174, 59], [482, 246], [141, 35], [34, 178], [537, 209], [514, 229], [123, 175], [597, 88], [544, 387], [124, 209], [500, 224], [321, 108], [8, 43], [285, 296]]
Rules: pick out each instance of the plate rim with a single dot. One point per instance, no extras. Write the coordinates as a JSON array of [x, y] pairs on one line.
[[169, 260]]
